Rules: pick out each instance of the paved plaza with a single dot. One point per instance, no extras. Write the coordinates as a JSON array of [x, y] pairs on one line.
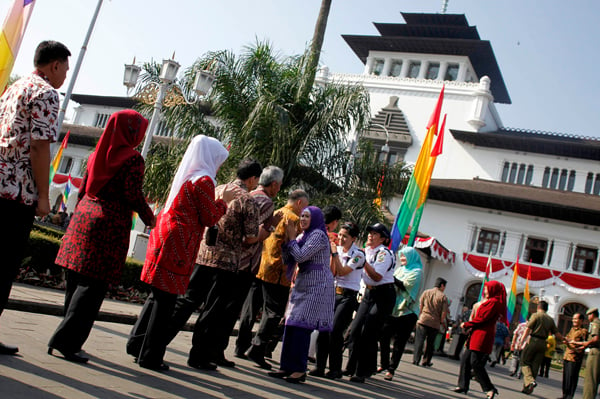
[[112, 374]]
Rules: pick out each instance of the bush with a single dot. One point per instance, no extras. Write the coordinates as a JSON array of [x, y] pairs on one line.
[[38, 266]]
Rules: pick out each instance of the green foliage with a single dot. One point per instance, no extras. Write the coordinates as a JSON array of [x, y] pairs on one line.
[[44, 243], [262, 113]]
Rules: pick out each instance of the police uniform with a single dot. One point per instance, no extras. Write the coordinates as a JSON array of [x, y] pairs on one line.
[[330, 344], [592, 365], [376, 305], [541, 325]]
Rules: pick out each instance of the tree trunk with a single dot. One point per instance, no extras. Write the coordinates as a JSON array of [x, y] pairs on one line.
[[315, 50]]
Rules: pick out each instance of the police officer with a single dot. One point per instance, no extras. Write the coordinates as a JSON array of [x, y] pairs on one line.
[[377, 303], [592, 365]]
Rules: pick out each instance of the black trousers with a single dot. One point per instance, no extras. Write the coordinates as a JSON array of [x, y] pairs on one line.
[[83, 299], [545, 366], [249, 312], [398, 328], [149, 338], [239, 287], [275, 298], [570, 378], [210, 288], [17, 220], [375, 306], [331, 344], [473, 360], [424, 335]]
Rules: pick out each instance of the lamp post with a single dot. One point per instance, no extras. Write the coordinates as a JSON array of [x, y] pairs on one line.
[[385, 148], [202, 85]]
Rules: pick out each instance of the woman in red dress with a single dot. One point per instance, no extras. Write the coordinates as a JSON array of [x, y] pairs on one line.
[[174, 245], [94, 248], [482, 329]]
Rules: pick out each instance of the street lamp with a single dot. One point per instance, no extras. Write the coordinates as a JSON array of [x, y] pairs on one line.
[[202, 85], [385, 148]]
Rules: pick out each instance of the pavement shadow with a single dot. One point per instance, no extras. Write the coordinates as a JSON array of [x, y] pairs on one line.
[[97, 391], [14, 389]]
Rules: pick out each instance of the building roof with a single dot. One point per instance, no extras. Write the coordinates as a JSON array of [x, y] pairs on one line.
[[535, 142], [447, 34], [106, 101], [88, 136], [527, 200]]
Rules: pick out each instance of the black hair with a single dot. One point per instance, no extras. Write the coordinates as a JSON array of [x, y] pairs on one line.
[[248, 168], [439, 282], [543, 305], [331, 213], [352, 229], [49, 51]]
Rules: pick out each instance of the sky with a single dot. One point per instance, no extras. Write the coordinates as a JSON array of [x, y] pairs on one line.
[[544, 48]]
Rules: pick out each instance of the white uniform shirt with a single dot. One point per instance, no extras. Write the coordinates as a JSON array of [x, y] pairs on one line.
[[383, 261], [355, 259]]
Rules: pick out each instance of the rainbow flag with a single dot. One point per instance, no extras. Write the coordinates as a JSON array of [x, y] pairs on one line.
[[418, 185], [66, 193], [512, 297], [525, 303], [56, 161], [486, 278], [11, 37]]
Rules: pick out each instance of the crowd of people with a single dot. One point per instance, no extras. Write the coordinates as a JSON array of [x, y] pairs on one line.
[[225, 251]]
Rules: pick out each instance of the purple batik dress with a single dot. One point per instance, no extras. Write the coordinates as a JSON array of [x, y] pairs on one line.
[[312, 300]]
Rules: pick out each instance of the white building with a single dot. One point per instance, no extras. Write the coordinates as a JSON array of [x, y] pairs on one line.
[[512, 193]]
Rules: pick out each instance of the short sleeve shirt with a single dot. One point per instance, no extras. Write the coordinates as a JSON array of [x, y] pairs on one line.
[[28, 111], [383, 261], [541, 325], [577, 335], [433, 305], [355, 259]]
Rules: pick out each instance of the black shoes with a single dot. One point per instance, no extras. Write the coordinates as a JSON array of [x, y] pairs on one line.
[[296, 380], [209, 366], [332, 375], [428, 364], [6, 349], [258, 358], [224, 363], [460, 390], [70, 356], [317, 372], [492, 394], [279, 374], [528, 389], [356, 378], [156, 367]]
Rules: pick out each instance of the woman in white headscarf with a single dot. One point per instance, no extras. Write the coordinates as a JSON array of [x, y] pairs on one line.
[[174, 243]]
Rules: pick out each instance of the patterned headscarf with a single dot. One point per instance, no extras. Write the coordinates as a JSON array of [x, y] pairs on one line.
[[124, 131]]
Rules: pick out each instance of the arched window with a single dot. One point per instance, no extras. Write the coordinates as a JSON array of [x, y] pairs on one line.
[[472, 294], [566, 315]]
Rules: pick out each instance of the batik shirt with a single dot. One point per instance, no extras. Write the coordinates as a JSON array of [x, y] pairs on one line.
[[28, 111]]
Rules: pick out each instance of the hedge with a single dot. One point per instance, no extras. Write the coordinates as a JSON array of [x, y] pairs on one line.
[[44, 242]]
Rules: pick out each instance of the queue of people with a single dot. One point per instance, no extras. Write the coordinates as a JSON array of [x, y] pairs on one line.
[[225, 250]]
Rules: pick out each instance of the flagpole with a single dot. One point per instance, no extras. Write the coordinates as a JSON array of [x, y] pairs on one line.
[[63, 109]]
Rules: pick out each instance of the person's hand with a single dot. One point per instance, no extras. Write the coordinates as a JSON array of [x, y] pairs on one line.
[[291, 232], [276, 218], [43, 207], [227, 195], [332, 247]]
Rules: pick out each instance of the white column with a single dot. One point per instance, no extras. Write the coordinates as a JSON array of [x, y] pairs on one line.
[[423, 70], [369, 65], [387, 66], [511, 246], [462, 72], [559, 256], [481, 99], [443, 69], [404, 70]]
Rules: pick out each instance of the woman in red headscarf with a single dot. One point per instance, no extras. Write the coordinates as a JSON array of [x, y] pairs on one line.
[[482, 329], [94, 248]]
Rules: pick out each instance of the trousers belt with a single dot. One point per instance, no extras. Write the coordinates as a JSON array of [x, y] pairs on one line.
[[345, 291], [373, 287]]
